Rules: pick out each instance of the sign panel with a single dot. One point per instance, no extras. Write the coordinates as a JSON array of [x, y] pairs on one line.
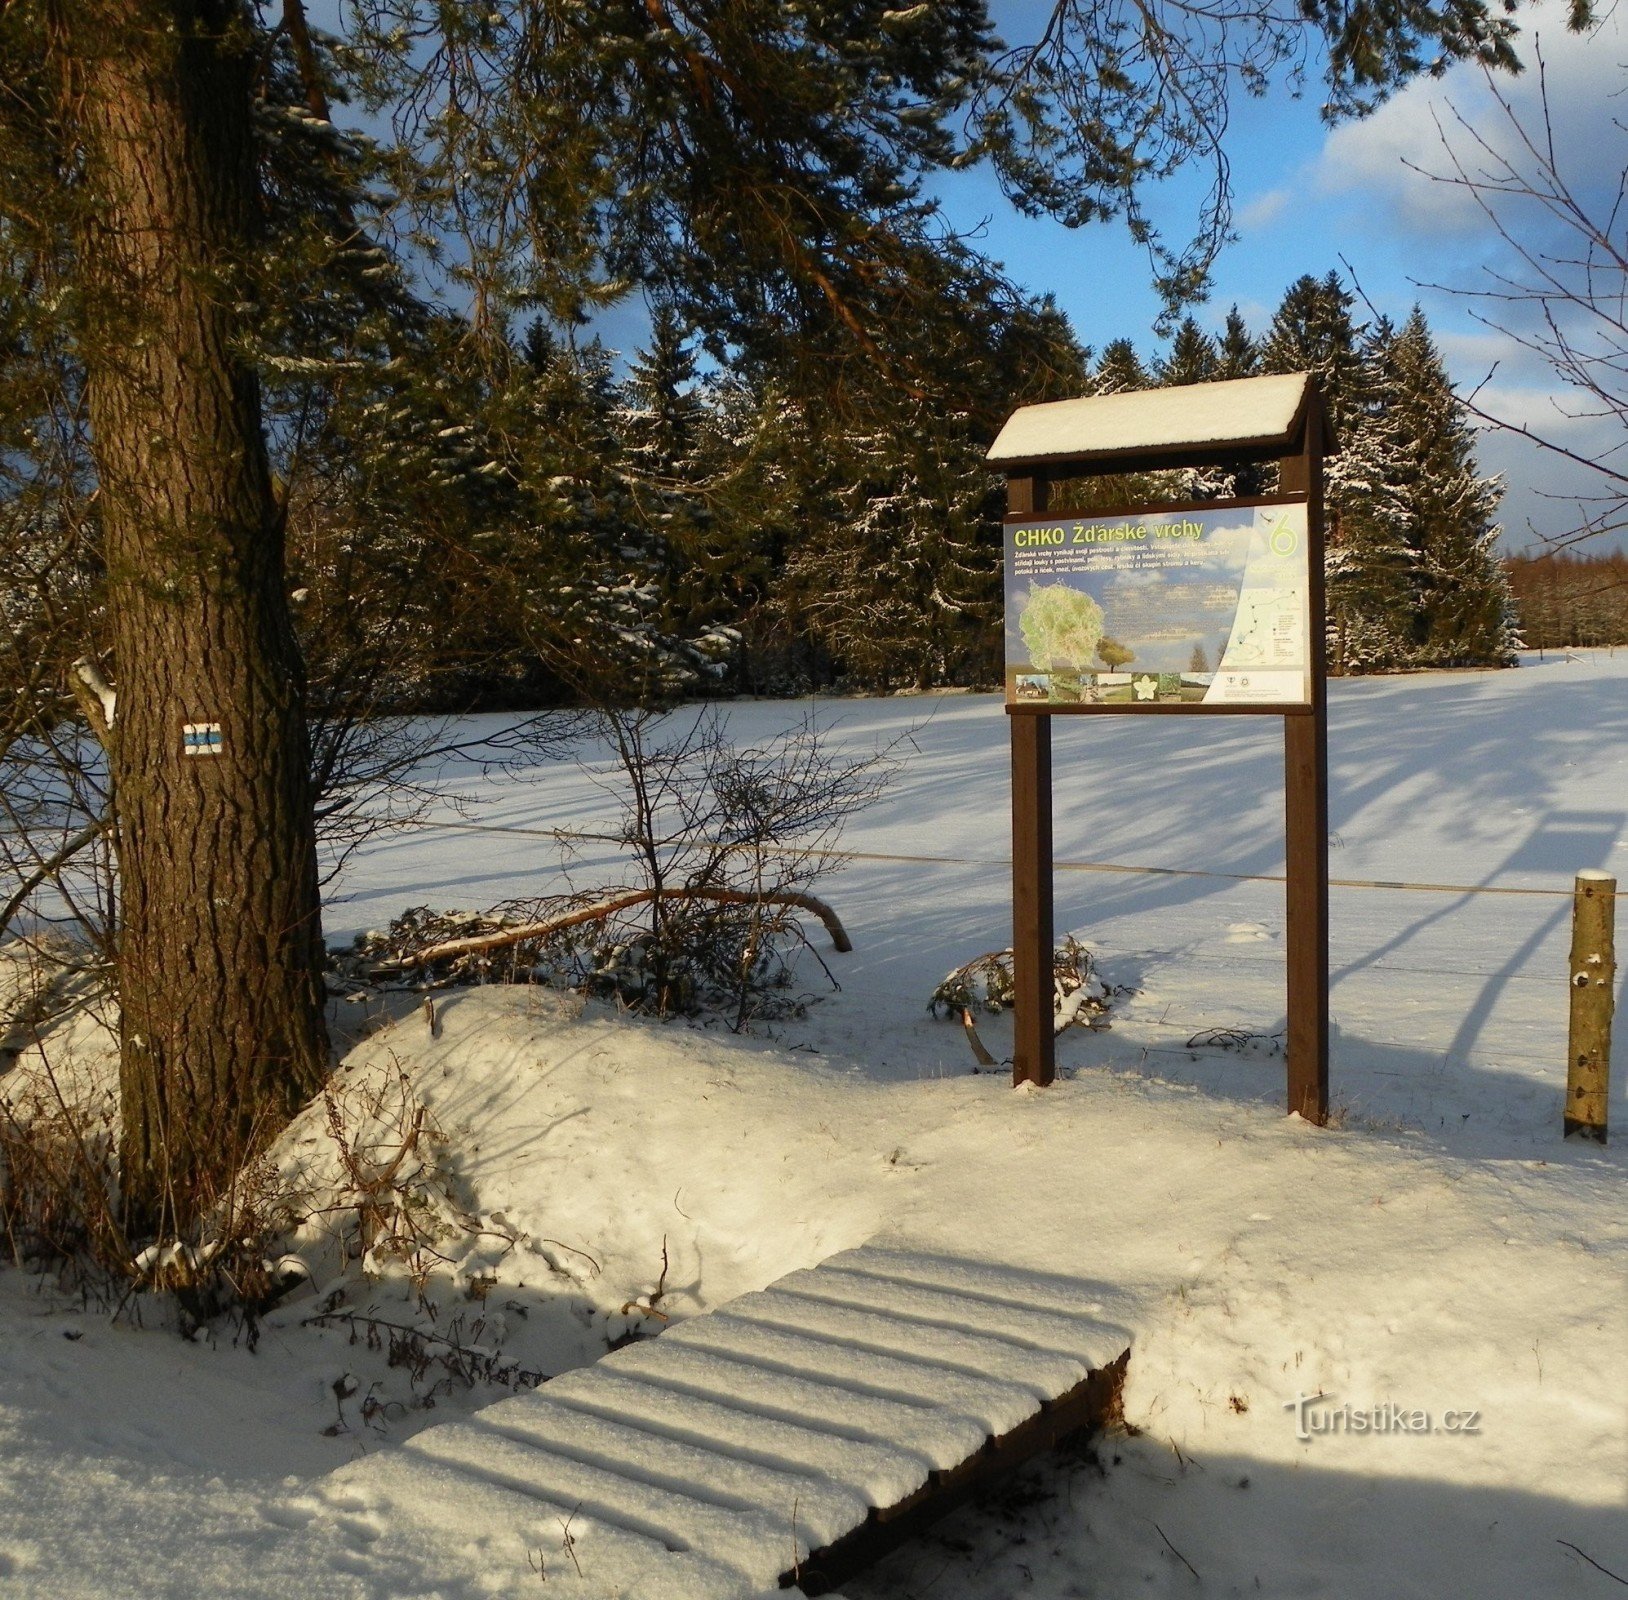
[[1161, 608]]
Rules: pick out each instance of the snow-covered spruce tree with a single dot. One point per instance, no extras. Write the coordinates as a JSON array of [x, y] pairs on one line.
[[767, 490], [684, 461], [1464, 615], [1413, 573], [663, 417], [1237, 353], [900, 585], [1238, 356], [1120, 369], [587, 572], [1194, 358], [1370, 568], [1191, 358], [1312, 331], [897, 573]]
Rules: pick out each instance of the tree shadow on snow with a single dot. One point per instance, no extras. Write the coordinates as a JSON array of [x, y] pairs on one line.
[[1137, 1516]]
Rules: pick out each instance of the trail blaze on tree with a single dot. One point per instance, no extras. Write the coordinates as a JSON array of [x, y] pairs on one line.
[[220, 946]]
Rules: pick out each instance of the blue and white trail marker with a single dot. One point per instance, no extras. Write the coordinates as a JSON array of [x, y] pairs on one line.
[[200, 739]]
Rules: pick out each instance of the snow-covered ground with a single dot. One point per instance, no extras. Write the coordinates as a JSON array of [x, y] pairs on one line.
[[1438, 1251]]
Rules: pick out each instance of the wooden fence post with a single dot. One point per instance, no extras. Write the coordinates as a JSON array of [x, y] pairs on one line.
[[1593, 994]]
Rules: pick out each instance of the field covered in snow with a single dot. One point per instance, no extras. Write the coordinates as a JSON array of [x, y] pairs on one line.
[[1387, 1358]]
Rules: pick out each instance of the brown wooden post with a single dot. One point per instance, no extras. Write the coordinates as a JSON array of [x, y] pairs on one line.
[[1305, 751], [1034, 1056], [1593, 994]]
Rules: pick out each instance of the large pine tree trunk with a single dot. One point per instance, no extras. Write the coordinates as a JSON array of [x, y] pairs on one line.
[[220, 945]]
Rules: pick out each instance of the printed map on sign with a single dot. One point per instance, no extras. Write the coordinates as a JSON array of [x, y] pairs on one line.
[[1203, 607]]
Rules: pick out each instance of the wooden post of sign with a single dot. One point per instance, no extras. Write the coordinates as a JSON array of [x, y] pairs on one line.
[[1305, 772], [1034, 1044], [1593, 993]]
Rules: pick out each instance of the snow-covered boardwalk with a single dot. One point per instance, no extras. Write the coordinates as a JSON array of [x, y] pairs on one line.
[[776, 1441]]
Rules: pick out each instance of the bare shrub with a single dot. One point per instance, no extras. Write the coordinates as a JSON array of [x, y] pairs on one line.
[[722, 845], [393, 1202], [377, 1195]]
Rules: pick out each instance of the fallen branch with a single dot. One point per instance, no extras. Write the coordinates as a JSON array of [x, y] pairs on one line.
[[1175, 1552], [979, 1053], [1592, 1562], [601, 909]]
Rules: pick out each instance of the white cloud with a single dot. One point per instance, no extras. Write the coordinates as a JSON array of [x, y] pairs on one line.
[[1402, 157], [1378, 160], [1467, 352], [1562, 414], [1263, 210], [1391, 179]]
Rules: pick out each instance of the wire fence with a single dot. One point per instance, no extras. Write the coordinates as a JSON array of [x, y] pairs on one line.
[[574, 836]]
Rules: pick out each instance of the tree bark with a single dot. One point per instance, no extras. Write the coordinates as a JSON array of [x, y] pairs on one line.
[[219, 941]]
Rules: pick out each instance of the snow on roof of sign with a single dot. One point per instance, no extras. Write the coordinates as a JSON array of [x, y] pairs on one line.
[[1240, 411]]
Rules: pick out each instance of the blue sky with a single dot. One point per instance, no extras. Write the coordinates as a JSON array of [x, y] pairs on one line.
[[1307, 195]]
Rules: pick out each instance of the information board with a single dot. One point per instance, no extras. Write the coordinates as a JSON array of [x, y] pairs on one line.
[[1160, 609]]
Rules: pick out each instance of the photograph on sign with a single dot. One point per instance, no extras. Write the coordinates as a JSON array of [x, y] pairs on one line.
[[1204, 607]]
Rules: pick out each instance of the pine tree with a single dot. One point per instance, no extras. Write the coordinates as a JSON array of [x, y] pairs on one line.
[[1237, 354], [1120, 369], [222, 1029], [1464, 613], [1312, 331], [1192, 357], [1370, 563]]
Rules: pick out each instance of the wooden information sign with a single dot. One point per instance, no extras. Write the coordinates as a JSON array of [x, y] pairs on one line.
[[1199, 609]]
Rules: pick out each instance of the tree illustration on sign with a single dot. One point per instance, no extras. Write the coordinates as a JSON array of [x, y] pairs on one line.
[[1061, 627], [1114, 655]]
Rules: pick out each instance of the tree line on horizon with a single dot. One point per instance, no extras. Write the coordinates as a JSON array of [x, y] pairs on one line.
[[1570, 600], [755, 538]]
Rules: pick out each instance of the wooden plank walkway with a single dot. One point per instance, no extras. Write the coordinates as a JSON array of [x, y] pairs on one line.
[[785, 1440]]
